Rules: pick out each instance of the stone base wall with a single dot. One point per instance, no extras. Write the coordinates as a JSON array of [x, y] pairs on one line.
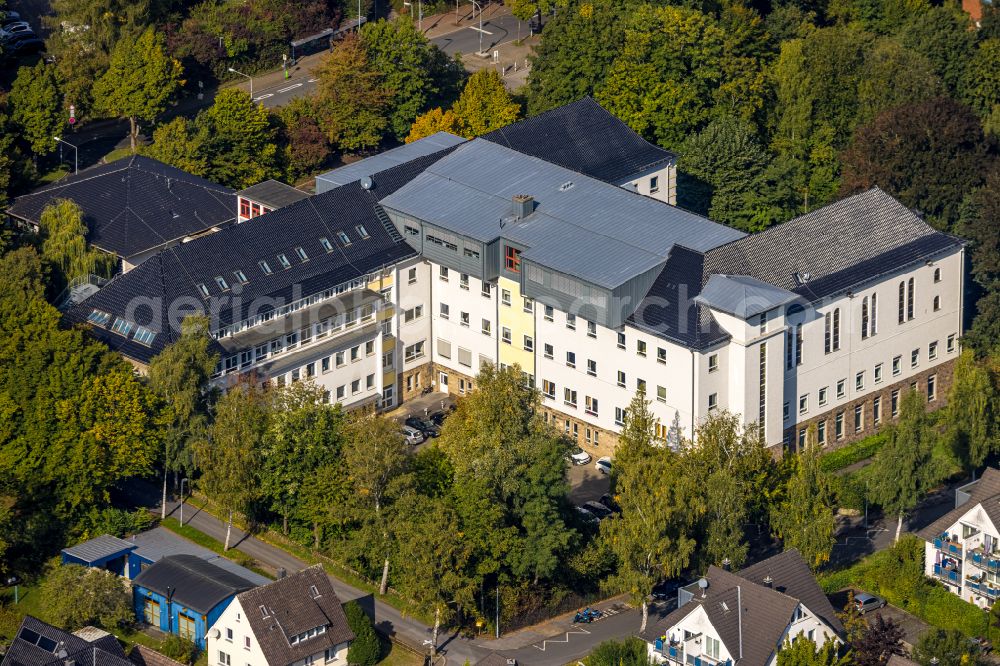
[[595, 441], [454, 385], [413, 382], [943, 374]]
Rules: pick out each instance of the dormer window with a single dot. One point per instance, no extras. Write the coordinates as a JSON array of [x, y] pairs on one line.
[[283, 260], [221, 281], [302, 254], [327, 245], [263, 611], [241, 276], [362, 231], [343, 238], [203, 289], [264, 266]]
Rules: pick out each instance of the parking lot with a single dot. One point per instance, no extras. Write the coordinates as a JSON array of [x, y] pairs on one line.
[[913, 628], [586, 483]]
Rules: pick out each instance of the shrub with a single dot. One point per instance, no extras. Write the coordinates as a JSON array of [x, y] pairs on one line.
[[118, 522], [630, 652], [75, 596], [366, 649], [852, 453], [179, 649]]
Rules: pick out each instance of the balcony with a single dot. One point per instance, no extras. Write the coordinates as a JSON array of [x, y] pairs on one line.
[[979, 585], [947, 574], [984, 560], [675, 653], [952, 548]]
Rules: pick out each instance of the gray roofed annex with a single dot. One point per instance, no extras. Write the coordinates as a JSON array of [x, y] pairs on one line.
[[370, 166], [99, 548], [193, 582]]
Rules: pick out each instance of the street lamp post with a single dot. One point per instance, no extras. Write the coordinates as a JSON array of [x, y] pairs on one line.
[[246, 75], [76, 163], [183, 481], [420, 13], [474, 6]]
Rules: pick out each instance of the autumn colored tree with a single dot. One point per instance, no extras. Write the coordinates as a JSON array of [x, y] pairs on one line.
[[352, 100], [435, 121], [485, 104]]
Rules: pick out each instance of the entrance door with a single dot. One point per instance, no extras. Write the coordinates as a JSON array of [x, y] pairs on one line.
[[443, 382]]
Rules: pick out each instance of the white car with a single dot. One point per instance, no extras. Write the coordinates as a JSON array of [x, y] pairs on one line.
[[412, 435], [603, 465], [579, 457]]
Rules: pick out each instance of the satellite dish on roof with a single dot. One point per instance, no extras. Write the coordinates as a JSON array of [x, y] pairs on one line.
[[367, 182], [215, 633]]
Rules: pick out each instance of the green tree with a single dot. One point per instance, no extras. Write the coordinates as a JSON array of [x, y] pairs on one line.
[[37, 106], [942, 35], [75, 597], [64, 245], [435, 121], [240, 140], [629, 652], [653, 538], [946, 647], [375, 455], [179, 144], [807, 653], [929, 155], [894, 76], [973, 407], [179, 376], [140, 81], [230, 461], [663, 82], [572, 61], [365, 649], [805, 520], [485, 104], [352, 99], [432, 558], [981, 84], [727, 163], [901, 471], [418, 72]]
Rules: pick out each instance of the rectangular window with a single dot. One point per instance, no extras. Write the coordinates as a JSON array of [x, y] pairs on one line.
[[894, 402], [932, 388], [464, 319], [713, 362], [621, 341], [244, 212], [464, 358], [619, 416], [877, 410], [591, 367], [590, 405], [505, 297], [370, 382], [803, 403], [527, 305], [411, 276], [340, 359], [356, 387], [902, 302], [487, 327], [571, 359], [836, 330], [932, 351], [445, 311], [486, 290], [859, 418], [661, 355], [301, 254], [654, 184], [341, 392], [864, 318], [343, 238], [951, 343], [571, 322], [444, 348], [512, 259], [821, 433], [548, 313], [529, 343], [859, 381], [878, 373], [463, 281], [802, 438], [361, 231], [327, 245], [823, 396], [897, 365], [661, 393], [914, 358], [548, 350], [186, 627], [621, 379], [505, 335], [414, 351], [640, 348], [591, 329], [548, 389], [838, 426], [909, 299], [471, 254], [443, 273], [355, 353], [224, 659], [569, 397], [786, 411], [712, 647], [841, 388], [285, 263], [640, 385], [221, 282], [713, 401]]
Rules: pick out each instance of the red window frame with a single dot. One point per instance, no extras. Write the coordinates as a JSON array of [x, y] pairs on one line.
[[256, 209], [244, 207], [512, 259]]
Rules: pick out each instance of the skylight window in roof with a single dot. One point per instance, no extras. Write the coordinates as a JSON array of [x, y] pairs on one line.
[[266, 267], [362, 231], [241, 276], [221, 281], [302, 254], [99, 317], [327, 245], [343, 238], [283, 260], [144, 336], [122, 326], [203, 289]]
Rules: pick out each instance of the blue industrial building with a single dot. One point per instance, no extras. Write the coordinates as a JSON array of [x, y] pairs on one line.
[[185, 595]]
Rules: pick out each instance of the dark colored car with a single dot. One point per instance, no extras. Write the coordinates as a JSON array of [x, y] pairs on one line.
[[609, 501], [667, 590], [437, 418], [24, 45], [598, 509], [425, 426]]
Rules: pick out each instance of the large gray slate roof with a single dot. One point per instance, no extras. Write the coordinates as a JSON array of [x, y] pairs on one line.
[[135, 204], [581, 226], [839, 246], [584, 137], [742, 296], [386, 160]]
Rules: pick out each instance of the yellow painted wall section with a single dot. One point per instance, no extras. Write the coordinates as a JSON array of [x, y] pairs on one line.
[[520, 323]]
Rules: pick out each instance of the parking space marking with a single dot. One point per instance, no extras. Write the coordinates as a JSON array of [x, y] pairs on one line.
[[565, 639]]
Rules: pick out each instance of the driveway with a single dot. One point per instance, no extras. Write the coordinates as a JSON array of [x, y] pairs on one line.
[[913, 627], [586, 483]]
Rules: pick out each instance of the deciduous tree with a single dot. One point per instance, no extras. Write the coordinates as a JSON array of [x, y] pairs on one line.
[[974, 409], [179, 144], [351, 97], [805, 520], [485, 104], [75, 597], [140, 81], [435, 121], [37, 106], [64, 246], [882, 639], [807, 653], [240, 140]]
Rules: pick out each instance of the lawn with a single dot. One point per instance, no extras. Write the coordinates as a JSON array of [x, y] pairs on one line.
[[213, 545], [897, 574]]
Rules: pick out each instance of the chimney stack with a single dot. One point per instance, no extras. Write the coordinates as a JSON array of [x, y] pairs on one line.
[[768, 581], [524, 205]]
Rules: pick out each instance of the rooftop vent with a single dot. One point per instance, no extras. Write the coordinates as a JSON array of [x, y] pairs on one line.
[[703, 584], [768, 580], [802, 278], [565, 186], [524, 205]]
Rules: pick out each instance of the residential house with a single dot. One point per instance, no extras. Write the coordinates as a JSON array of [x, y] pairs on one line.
[[962, 549], [184, 595], [745, 617], [135, 206], [294, 621], [37, 643]]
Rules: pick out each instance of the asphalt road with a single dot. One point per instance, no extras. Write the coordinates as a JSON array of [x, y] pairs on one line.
[[495, 31]]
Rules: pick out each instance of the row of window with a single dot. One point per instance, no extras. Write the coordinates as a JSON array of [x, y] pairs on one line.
[[122, 327], [860, 413], [877, 376], [572, 429]]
